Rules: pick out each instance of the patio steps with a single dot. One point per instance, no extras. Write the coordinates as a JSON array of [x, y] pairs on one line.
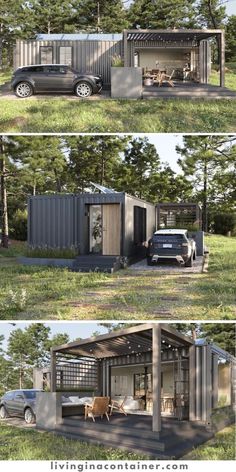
[[93, 263], [144, 442], [177, 437], [210, 92]]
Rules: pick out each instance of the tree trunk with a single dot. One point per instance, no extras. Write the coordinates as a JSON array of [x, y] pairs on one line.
[[3, 208], [205, 202], [58, 180], [21, 375], [215, 26]]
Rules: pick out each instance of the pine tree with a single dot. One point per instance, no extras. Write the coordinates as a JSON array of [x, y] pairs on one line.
[[158, 14], [205, 160], [48, 16], [94, 158], [231, 39], [212, 14], [106, 16]]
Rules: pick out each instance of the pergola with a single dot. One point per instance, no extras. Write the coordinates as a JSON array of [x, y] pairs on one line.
[[148, 339], [174, 38]]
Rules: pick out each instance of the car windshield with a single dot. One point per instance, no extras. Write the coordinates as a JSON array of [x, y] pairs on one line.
[[30, 394]]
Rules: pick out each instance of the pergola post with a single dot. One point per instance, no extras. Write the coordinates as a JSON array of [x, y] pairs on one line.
[[156, 376], [53, 371], [192, 383], [215, 359], [222, 58], [206, 384], [125, 42]]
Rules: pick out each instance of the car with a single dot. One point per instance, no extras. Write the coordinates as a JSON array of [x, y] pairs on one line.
[[19, 403], [172, 244], [29, 80]]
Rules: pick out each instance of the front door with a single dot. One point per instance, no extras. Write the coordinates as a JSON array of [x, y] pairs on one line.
[[105, 229]]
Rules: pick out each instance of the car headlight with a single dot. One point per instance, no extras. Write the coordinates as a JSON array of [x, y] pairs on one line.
[[97, 78]]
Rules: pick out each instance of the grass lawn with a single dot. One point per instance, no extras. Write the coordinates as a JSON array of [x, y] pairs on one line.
[[221, 447], [230, 76], [58, 114], [23, 444], [31, 292], [38, 115]]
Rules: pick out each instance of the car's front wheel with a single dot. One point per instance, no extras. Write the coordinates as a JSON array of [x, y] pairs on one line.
[[83, 90], [3, 412], [23, 90], [29, 416]]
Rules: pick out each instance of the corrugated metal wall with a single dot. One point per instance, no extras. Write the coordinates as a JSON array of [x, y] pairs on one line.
[[52, 221], [204, 61], [87, 56]]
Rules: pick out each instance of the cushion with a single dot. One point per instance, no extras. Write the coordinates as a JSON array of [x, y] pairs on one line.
[[74, 399]]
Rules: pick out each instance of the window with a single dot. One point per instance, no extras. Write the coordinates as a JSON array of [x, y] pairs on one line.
[[142, 384], [140, 223], [65, 55], [9, 396], [55, 70], [32, 70], [31, 394], [46, 54]]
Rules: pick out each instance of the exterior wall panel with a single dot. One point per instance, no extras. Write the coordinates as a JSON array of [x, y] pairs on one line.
[[51, 222]]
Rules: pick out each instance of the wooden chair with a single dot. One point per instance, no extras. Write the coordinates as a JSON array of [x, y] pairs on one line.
[[99, 407], [163, 77], [116, 405]]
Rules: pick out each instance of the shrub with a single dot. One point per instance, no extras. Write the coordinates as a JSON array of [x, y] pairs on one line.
[[19, 225], [58, 253], [224, 223], [117, 61]]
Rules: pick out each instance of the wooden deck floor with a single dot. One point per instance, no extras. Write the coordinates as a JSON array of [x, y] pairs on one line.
[[188, 90]]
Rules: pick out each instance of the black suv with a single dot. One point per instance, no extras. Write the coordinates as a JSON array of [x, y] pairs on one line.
[[170, 244], [54, 78], [19, 403]]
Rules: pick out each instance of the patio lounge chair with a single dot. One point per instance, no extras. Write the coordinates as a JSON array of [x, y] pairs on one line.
[[116, 405], [164, 77], [99, 407]]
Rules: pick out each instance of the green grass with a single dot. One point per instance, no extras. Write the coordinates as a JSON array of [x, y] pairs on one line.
[[33, 292], [221, 447], [67, 115], [230, 77], [23, 444]]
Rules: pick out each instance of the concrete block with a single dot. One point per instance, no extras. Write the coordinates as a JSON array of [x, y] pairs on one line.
[[126, 82], [48, 410]]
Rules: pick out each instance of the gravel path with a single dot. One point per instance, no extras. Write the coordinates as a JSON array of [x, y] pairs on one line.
[[170, 268]]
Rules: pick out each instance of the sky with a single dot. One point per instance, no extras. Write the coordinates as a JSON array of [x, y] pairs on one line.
[[74, 330], [165, 145]]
